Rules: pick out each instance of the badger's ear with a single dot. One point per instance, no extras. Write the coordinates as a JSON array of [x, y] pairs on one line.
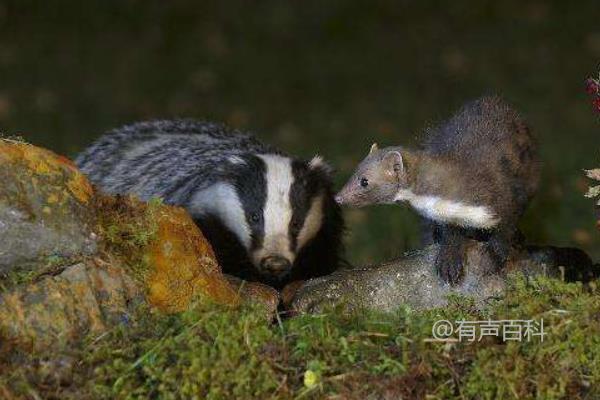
[[374, 148], [317, 163], [393, 163]]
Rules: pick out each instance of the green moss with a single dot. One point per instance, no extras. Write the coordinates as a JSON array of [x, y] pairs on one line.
[[31, 272], [127, 226], [215, 352], [15, 277]]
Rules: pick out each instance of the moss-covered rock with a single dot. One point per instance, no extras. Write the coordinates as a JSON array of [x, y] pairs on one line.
[[74, 261], [147, 251], [44, 208], [164, 249], [85, 298], [183, 265]]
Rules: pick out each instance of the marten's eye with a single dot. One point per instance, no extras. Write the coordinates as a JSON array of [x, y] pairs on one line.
[[364, 182], [255, 217]]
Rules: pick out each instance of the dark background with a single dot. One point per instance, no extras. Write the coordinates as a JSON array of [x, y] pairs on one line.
[[327, 77]]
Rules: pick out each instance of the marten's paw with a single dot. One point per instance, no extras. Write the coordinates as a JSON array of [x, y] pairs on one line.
[[498, 248], [449, 263]]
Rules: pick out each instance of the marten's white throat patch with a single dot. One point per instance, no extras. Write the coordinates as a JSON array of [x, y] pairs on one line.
[[442, 210]]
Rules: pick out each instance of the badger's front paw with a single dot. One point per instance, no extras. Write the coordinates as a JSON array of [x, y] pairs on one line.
[[449, 264]]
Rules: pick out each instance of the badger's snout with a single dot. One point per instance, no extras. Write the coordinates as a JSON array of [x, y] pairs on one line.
[[275, 265]]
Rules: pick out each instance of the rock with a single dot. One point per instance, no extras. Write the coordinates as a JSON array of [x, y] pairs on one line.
[[57, 310], [85, 261], [156, 253], [43, 207], [289, 292], [412, 280], [183, 265], [255, 292], [180, 265]]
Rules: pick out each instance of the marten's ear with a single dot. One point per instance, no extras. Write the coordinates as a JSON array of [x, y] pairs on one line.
[[374, 148], [317, 163], [393, 164]]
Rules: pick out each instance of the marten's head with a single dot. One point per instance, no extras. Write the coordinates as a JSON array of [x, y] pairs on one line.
[[377, 179]]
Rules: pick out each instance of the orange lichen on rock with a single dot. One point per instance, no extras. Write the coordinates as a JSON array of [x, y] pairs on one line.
[[44, 206], [40, 161], [166, 251], [183, 265]]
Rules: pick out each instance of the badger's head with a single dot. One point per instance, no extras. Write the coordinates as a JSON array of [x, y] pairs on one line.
[[276, 206]]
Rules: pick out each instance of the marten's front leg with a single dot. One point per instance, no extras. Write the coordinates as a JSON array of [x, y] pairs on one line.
[[449, 260], [431, 232], [499, 245]]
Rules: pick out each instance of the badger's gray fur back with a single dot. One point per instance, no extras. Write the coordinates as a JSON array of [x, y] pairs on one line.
[[268, 216]]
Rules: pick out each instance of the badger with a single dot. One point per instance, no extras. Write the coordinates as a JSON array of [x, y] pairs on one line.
[[269, 217], [472, 178]]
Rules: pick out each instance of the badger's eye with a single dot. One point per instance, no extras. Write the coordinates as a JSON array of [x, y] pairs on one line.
[[255, 217], [364, 182]]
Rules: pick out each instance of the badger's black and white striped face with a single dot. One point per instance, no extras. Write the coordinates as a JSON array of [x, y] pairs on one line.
[[273, 204]]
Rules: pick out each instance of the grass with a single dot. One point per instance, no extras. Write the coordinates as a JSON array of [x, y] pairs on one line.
[[213, 352]]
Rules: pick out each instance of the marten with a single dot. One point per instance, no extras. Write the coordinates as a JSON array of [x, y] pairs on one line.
[[472, 178]]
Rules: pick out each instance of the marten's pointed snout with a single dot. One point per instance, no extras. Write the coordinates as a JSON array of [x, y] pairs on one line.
[[341, 198]]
